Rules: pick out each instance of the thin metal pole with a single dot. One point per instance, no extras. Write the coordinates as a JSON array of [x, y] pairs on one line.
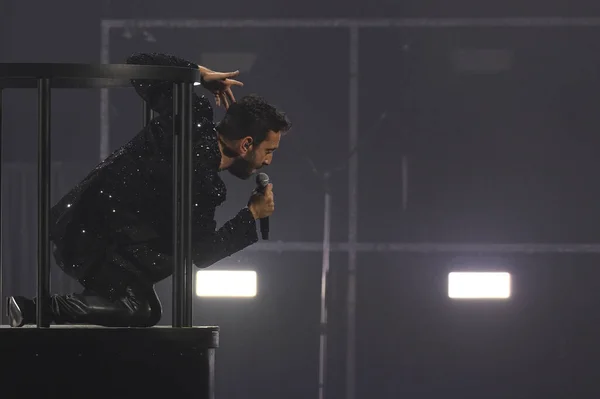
[[1, 216], [43, 281], [186, 194], [177, 253], [404, 182], [104, 94], [324, 276], [352, 218], [345, 23], [428, 248], [182, 207]]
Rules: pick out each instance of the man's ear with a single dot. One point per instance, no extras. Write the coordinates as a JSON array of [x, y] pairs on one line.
[[247, 144]]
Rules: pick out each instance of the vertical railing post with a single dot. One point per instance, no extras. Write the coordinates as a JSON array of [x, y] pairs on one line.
[[182, 204], [1, 215], [44, 156], [177, 255], [186, 143]]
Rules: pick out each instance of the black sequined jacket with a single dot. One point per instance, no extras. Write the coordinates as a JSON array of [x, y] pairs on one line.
[[123, 208]]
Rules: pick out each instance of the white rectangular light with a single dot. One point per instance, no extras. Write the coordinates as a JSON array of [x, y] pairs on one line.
[[226, 283], [479, 285]]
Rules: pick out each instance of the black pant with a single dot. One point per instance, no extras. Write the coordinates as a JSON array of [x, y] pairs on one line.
[[137, 308], [113, 297]]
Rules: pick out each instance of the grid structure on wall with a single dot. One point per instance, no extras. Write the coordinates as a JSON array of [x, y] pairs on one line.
[[353, 27]]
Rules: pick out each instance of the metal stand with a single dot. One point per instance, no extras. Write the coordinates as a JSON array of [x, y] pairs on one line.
[[47, 76]]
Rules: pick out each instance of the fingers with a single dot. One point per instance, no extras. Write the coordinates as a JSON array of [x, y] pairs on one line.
[[230, 94], [269, 198], [220, 75], [223, 94], [224, 100], [233, 82], [221, 99]]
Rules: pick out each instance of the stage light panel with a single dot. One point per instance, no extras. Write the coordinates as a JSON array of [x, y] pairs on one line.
[[479, 285], [226, 283]]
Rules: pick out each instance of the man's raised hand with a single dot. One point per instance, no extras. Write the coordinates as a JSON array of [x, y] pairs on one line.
[[219, 84]]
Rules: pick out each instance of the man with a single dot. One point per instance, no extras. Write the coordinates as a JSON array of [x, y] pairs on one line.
[[113, 231]]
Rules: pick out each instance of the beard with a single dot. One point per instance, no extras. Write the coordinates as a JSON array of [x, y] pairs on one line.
[[242, 168]]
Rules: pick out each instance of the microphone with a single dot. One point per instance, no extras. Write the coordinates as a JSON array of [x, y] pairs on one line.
[[262, 180]]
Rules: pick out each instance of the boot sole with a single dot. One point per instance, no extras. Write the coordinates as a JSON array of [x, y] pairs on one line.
[[15, 316]]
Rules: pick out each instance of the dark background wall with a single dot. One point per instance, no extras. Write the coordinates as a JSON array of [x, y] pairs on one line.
[[498, 128]]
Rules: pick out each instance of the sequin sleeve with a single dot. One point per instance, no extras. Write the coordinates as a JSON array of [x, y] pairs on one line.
[[159, 94], [210, 246]]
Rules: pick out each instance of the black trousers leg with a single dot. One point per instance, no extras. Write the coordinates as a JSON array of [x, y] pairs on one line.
[[114, 296], [138, 307]]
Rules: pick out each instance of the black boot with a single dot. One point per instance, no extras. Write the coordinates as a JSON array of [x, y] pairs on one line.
[[20, 311]]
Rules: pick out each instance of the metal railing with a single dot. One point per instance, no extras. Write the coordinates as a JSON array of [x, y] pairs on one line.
[[46, 77]]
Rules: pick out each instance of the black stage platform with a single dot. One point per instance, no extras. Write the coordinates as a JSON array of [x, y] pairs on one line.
[[95, 362]]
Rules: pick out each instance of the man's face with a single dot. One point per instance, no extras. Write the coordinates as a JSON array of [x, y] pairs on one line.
[[254, 157]]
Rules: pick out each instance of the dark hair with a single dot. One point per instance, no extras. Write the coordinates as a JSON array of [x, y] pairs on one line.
[[252, 116]]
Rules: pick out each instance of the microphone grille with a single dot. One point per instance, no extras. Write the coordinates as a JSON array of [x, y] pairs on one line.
[[262, 179]]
